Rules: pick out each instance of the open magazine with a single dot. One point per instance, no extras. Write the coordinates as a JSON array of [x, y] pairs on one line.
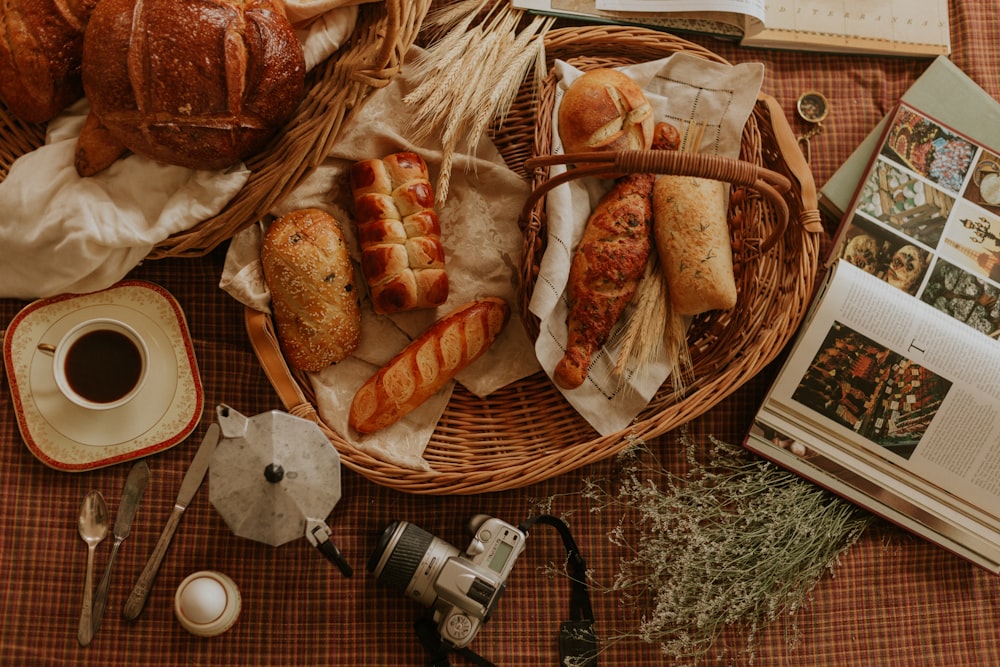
[[893, 27], [890, 395]]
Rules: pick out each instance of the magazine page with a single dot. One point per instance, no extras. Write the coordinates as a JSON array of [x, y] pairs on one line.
[[926, 219], [898, 386]]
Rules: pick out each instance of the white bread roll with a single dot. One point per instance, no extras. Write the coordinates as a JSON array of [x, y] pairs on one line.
[[424, 366], [605, 110], [308, 269], [691, 233]]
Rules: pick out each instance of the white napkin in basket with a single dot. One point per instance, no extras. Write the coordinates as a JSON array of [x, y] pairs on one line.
[[682, 89], [482, 249], [62, 233]]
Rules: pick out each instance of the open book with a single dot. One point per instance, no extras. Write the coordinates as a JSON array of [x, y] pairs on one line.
[[890, 395], [893, 27]]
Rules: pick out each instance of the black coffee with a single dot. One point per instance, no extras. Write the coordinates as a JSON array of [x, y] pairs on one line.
[[103, 365]]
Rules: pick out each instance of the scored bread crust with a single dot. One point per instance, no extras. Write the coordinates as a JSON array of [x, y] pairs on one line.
[[605, 110], [307, 268], [402, 257], [41, 48], [424, 366], [198, 83]]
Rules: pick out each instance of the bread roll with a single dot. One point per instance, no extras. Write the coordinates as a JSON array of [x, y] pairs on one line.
[[605, 110], [41, 46], [424, 366], [607, 266], [198, 83], [96, 148], [691, 232], [402, 258], [308, 270]]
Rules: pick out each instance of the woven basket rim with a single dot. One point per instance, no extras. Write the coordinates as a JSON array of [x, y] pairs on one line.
[[527, 432]]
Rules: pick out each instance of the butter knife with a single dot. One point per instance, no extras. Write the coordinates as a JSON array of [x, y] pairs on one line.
[[189, 486], [135, 485]]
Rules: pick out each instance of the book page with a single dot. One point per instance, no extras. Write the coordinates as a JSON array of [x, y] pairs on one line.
[[897, 384], [754, 8], [875, 26], [725, 24]]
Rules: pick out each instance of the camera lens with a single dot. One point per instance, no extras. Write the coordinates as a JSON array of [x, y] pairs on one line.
[[398, 554], [407, 559]]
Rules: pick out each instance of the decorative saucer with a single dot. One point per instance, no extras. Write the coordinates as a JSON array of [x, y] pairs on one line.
[[70, 438]]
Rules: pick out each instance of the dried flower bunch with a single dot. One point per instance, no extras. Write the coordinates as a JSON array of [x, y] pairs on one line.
[[470, 75], [735, 541]]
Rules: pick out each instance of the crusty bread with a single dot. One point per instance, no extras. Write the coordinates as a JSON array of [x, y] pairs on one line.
[[308, 270], [399, 233], [691, 234], [424, 366], [607, 265], [96, 149], [605, 110], [41, 46], [198, 83]]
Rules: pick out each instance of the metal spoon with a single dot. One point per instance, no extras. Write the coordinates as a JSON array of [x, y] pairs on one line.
[[93, 528]]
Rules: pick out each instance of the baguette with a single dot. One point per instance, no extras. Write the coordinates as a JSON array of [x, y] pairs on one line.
[[424, 366], [402, 258], [691, 232], [309, 272], [605, 272]]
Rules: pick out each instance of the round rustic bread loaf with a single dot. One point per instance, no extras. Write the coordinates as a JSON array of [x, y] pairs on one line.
[[605, 110], [41, 45], [198, 83]]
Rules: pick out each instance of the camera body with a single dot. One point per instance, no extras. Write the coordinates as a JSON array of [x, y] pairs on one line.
[[461, 588]]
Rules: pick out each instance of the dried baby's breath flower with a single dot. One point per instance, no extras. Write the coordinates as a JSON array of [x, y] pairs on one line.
[[735, 541]]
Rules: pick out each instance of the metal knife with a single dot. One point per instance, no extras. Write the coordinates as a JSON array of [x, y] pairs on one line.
[[135, 485], [189, 486]]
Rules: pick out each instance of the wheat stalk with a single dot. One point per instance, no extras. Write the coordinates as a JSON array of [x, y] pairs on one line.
[[471, 75]]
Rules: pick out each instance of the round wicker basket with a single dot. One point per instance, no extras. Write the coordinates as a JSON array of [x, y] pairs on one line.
[[336, 91], [527, 432]]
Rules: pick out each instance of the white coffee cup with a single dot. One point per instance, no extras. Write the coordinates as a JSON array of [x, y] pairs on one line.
[[99, 364]]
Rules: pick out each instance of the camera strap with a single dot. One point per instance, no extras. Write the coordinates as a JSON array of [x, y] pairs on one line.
[[577, 639]]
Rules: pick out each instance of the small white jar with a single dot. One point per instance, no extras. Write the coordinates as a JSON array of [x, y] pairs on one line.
[[207, 603]]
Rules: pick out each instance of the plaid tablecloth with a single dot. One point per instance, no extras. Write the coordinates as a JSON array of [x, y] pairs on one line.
[[892, 600]]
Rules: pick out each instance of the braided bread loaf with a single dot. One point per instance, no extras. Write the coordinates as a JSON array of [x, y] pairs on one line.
[[402, 258]]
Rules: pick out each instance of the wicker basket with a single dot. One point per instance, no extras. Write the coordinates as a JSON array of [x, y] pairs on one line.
[[527, 432], [336, 91]]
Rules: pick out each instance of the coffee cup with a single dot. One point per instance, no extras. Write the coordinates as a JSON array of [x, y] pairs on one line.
[[99, 364]]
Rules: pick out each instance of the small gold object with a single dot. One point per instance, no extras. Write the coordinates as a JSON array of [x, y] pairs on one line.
[[813, 108]]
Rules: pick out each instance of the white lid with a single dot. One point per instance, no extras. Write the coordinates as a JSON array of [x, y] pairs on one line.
[[207, 603]]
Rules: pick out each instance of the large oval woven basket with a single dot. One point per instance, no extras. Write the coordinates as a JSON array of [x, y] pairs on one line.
[[336, 91], [527, 432]]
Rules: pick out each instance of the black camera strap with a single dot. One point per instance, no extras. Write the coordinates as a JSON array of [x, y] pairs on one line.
[[577, 639]]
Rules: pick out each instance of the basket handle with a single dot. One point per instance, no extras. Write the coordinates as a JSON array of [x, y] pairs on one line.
[[770, 184], [265, 345]]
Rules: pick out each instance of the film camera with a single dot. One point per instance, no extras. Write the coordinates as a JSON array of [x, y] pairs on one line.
[[462, 589]]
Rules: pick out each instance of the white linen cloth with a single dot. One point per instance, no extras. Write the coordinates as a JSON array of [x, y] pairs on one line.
[[60, 233], [682, 89]]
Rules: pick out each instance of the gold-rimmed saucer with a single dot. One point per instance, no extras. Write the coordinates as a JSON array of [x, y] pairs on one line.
[[68, 437]]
